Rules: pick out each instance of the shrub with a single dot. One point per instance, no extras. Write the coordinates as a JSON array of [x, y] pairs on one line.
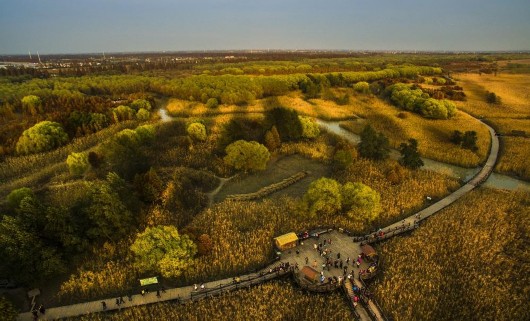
[[362, 87], [43, 136], [16, 196], [492, 98], [77, 163], [143, 114], [197, 131], [141, 104], [310, 128]]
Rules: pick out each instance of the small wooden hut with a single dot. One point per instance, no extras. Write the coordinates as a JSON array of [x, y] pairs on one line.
[[286, 241], [309, 274]]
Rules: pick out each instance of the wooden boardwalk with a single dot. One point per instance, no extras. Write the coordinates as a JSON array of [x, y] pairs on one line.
[[340, 243]]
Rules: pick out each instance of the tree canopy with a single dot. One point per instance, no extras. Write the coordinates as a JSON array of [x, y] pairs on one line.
[[77, 163], [410, 157], [327, 196], [360, 201], [323, 197], [417, 101], [310, 128], [373, 145], [286, 121], [247, 155], [43, 136], [197, 131], [162, 249]]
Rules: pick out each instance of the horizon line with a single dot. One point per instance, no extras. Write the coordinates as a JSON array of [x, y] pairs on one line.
[[261, 50]]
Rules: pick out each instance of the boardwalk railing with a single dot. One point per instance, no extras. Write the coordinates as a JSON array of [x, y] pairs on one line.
[[348, 291], [246, 282], [374, 302]]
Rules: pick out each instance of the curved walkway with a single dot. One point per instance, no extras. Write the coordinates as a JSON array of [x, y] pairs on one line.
[[352, 248]]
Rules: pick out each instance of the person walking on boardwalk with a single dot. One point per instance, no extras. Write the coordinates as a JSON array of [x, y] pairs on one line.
[[104, 305], [306, 260]]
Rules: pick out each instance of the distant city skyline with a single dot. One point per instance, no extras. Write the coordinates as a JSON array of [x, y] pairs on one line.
[[66, 26]]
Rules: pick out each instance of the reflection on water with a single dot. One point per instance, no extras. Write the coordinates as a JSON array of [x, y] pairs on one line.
[[463, 174]]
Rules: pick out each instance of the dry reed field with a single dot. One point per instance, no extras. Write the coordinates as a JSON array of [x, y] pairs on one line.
[[469, 262], [277, 300], [433, 136], [512, 114], [514, 160]]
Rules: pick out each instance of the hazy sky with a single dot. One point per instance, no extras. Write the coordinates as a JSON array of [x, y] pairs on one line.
[[74, 26]]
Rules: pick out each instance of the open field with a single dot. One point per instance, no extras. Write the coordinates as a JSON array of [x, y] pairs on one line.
[[512, 114], [469, 260], [433, 135]]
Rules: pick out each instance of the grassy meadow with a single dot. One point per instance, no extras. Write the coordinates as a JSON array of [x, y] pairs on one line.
[[512, 114], [469, 260], [433, 135]]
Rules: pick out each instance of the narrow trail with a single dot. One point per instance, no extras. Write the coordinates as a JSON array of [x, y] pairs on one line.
[[188, 292], [222, 182]]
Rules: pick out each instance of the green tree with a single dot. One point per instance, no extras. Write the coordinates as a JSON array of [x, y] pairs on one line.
[[162, 249], [109, 216], [149, 185], [360, 201], [42, 137], [469, 140], [9, 312], [77, 163], [342, 159], [247, 155], [142, 114], [15, 197], [373, 145], [24, 255], [122, 113], [286, 121], [492, 98], [410, 157], [323, 197], [456, 137], [212, 103], [310, 128], [141, 103], [197, 131], [32, 104]]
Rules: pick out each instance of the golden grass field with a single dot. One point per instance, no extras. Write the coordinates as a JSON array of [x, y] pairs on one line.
[[512, 114], [468, 262], [433, 135]]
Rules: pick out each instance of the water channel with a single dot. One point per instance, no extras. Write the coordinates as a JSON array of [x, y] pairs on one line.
[[495, 180]]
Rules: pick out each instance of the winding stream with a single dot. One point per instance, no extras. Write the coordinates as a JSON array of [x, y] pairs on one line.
[[495, 180], [463, 174]]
